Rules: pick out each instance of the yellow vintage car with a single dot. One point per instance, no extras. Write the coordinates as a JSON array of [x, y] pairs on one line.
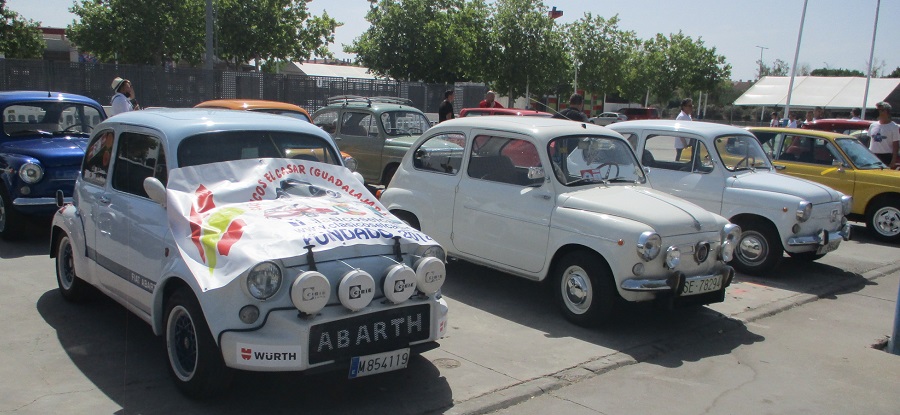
[[843, 163]]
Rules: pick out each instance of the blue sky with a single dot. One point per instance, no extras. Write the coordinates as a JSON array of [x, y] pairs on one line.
[[837, 34]]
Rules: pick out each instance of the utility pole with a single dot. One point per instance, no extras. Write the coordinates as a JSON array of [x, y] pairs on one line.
[[869, 72], [761, 49]]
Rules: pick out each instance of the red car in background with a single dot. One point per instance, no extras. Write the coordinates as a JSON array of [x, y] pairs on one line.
[[642, 113], [854, 128]]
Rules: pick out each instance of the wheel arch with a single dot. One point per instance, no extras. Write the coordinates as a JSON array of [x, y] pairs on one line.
[[570, 248], [881, 198], [167, 288], [747, 217]]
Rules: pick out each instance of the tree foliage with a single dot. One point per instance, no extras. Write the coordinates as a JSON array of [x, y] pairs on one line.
[[601, 51], [836, 72], [19, 38], [778, 68], [895, 73], [433, 41]]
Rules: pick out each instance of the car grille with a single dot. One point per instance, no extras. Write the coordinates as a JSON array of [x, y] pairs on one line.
[[370, 333]]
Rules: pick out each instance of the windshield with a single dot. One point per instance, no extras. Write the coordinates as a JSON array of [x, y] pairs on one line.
[[62, 118], [581, 160], [741, 152], [859, 155], [239, 145], [398, 123]]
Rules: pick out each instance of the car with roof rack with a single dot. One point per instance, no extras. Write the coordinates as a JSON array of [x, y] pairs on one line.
[[242, 257], [376, 131], [42, 140], [472, 112], [725, 170]]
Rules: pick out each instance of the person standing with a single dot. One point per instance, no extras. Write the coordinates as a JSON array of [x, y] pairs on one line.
[[854, 114], [574, 112], [489, 101], [445, 111], [123, 99], [687, 107], [775, 122], [885, 141], [792, 121], [818, 114]]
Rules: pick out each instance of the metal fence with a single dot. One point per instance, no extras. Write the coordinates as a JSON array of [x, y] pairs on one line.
[[158, 86]]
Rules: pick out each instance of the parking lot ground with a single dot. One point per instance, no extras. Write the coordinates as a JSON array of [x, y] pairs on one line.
[[506, 342]]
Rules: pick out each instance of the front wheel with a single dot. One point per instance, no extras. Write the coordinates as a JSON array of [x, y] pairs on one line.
[[585, 289], [71, 287], [883, 219], [194, 360], [759, 249]]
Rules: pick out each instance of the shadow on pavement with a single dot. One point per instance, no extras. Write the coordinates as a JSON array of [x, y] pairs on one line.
[[119, 354], [35, 241]]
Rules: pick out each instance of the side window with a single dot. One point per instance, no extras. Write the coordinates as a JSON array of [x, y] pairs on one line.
[[767, 140], [824, 152], [668, 152], [632, 140], [327, 121], [356, 124], [442, 153], [138, 157], [504, 160], [97, 158], [796, 148]]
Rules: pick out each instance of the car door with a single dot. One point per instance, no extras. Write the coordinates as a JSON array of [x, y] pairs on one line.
[[691, 174], [360, 136], [500, 215], [131, 242], [815, 159], [93, 197]]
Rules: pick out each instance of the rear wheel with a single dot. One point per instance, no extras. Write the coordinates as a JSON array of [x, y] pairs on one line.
[[883, 219], [12, 223], [71, 287], [195, 362], [585, 289], [759, 249], [388, 175]]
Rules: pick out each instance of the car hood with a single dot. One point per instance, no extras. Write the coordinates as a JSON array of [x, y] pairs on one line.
[[666, 214], [50, 151], [780, 183]]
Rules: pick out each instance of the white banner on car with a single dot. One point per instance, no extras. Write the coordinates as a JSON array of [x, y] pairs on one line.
[[227, 217]]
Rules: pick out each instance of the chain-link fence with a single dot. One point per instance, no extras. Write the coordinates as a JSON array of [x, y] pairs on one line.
[[157, 86]]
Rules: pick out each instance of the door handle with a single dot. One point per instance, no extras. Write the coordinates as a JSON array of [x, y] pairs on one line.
[[780, 167], [542, 195], [104, 200]]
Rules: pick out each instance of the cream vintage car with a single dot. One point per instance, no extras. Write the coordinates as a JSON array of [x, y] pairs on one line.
[[724, 169], [543, 198], [241, 239]]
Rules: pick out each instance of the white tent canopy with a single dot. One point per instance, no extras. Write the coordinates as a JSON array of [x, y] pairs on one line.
[[817, 91], [321, 69]]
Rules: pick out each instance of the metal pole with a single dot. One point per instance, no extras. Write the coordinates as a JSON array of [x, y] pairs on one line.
[[869, 72], [787, 107], [761, 49], [894, 345]]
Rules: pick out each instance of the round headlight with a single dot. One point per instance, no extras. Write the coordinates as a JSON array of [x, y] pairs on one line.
[[730, 235], [264, 280], [430, 275], [31, 173], [804, 210], [356, 290], [432, 251], [399, 283], [649, 245], [310, 292], [350, 163], [846, 204], [673, 257]]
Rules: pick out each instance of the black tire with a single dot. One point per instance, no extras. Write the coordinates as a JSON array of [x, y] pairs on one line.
[[585, 289], [808, 256], [759, 250], [12, 223], [883, 219], [388, 175], [71, 287], [195, 362]]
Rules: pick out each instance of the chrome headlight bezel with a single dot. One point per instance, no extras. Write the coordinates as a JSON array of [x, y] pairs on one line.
[[31, 173], [649, 245], [846, 204], [350, 163], [673, 257], [730, 235], [435, 251], [264, 280], [804, 210]]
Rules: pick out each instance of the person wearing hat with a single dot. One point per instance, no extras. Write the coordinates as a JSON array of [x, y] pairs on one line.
[[885, 133], [124, 94]]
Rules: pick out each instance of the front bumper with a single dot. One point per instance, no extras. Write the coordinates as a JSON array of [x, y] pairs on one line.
[[823, 240], [674, 283], [283, 342]]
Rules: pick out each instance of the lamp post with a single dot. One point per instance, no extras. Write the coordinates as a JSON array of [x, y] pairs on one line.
[[761, 49]]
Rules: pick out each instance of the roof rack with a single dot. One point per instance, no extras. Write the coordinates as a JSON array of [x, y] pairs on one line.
[[346, 99]]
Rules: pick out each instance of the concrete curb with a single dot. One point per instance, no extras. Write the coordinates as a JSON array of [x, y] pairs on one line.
[[521, 392]]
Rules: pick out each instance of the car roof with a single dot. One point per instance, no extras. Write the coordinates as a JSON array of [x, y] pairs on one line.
[[507, 111], [695, 127], [249, 104], [7, 97], [178, 123], [862, 124], [541, 128], [374, 104], [812, 133]]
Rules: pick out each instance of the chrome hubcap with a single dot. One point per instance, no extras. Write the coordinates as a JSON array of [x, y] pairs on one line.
[[752, 248], [577, 290], [887, 221]]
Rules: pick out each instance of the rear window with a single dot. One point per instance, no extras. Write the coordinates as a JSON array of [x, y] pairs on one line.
[[239, 145]]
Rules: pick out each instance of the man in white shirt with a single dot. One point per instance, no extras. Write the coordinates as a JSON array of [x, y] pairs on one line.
[[124, 94], [687, 107], [885, 141], [854, 114], [792, 121]]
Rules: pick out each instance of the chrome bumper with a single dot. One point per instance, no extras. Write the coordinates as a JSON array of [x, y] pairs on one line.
[[674, 282], [822, 238], [38, 201]]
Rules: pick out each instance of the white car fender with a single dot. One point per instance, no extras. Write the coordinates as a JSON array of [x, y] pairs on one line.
[[764, 204], [68, 220]]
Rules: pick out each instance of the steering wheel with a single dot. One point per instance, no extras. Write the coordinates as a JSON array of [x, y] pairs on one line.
[[749, 160], [609, 171]]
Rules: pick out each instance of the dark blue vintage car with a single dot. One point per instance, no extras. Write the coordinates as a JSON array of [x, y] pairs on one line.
[[42, 144]]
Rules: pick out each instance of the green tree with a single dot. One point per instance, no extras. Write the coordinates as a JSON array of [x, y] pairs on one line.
[[836, 72], [778, 68], [19, 38], [423, 40], [267, 31], [530, 50], [895, 73], [601, 51], [140, 31]]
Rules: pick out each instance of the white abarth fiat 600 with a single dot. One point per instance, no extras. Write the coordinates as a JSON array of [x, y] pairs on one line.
[[544, 198], [724, 169], [242, 239]]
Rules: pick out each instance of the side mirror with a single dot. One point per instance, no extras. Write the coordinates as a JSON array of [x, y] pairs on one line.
[[155, 190]]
